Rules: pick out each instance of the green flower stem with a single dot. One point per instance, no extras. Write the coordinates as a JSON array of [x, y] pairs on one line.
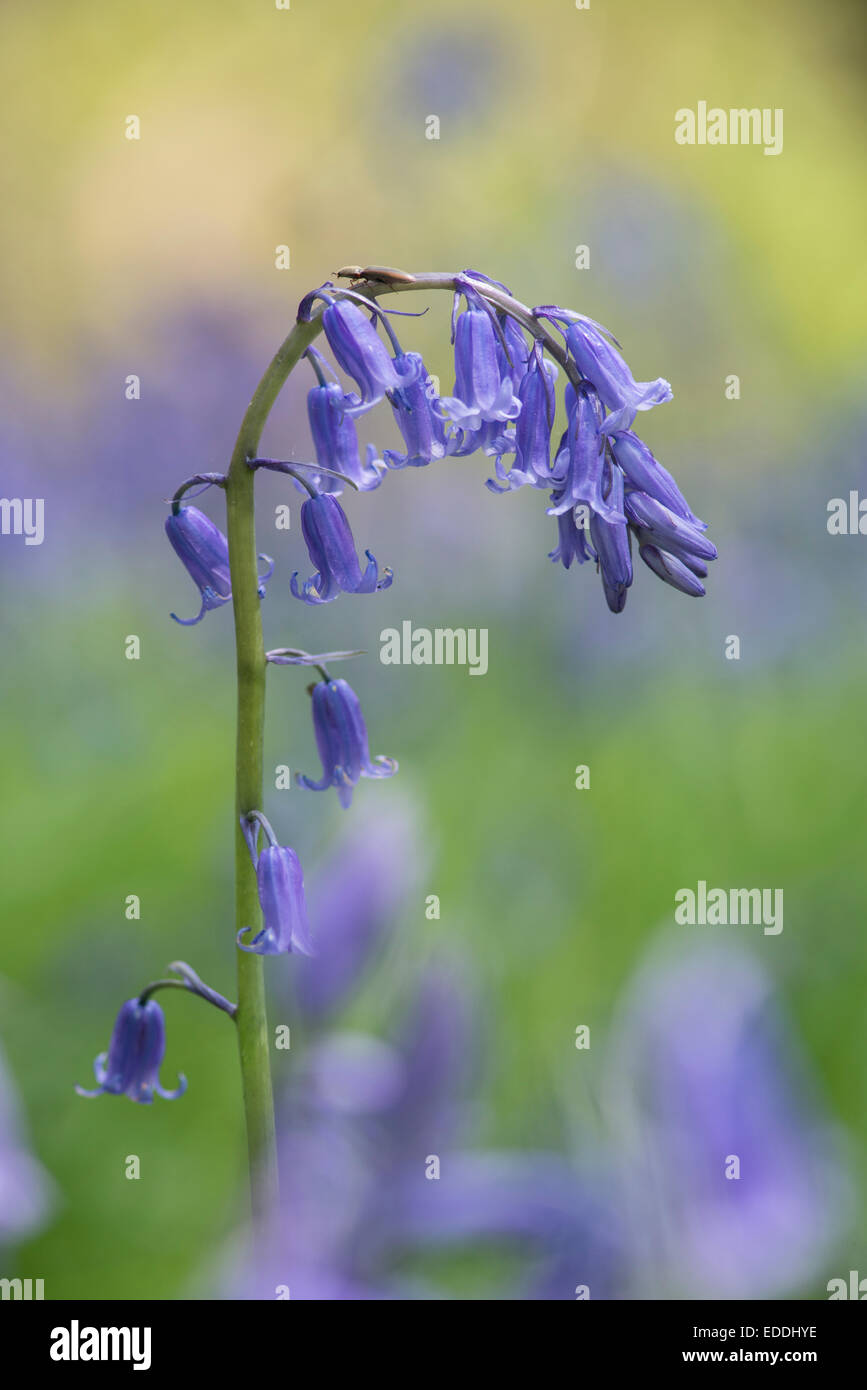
[[253, 1037]]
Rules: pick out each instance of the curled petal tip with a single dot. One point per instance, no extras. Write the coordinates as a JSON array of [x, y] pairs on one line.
[[190, 622], [382, 766], [89, 1095], [172, 1095]]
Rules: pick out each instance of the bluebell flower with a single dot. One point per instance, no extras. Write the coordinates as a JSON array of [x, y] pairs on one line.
[[532, 437], [357, 896], [26, 1192], [513, 355], [599, 362], [204, 551], [491, 437], [416, 412], [560, 466], [135, 1053], [579, 469], [341, 737], [438, 1039], [498, 437], [362, 354], [335, 439], [656, 526], [484, 389], [610, 537], [704, 1071], [331, 549], [280, 884], [564, 1221], [646, 474], [571, 542], [512, 351], [673, 571]]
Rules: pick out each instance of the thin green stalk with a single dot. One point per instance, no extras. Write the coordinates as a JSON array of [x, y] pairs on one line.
[[251, 1018], [253, 1037]]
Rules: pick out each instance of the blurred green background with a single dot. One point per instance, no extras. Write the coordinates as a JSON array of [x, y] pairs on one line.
[[261, 127]]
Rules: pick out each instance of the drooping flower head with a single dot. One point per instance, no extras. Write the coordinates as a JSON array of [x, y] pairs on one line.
[[335, 439], [280, 884], [332, 551], [136, 1050], [341, 737], [204, 551], [597, 478], [607, 489], [592, 349]]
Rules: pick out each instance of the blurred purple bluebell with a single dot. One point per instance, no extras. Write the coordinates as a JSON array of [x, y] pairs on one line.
[[280, 884], [348, 1073], [135, 1053], [703, 1076], [204, 551], [438, 1041], [346, 1136], [25, 1188], [564, 1222], [360, 1125], [331, 549], [355, 897], [335, 439], [599, 362], [341, 737]]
